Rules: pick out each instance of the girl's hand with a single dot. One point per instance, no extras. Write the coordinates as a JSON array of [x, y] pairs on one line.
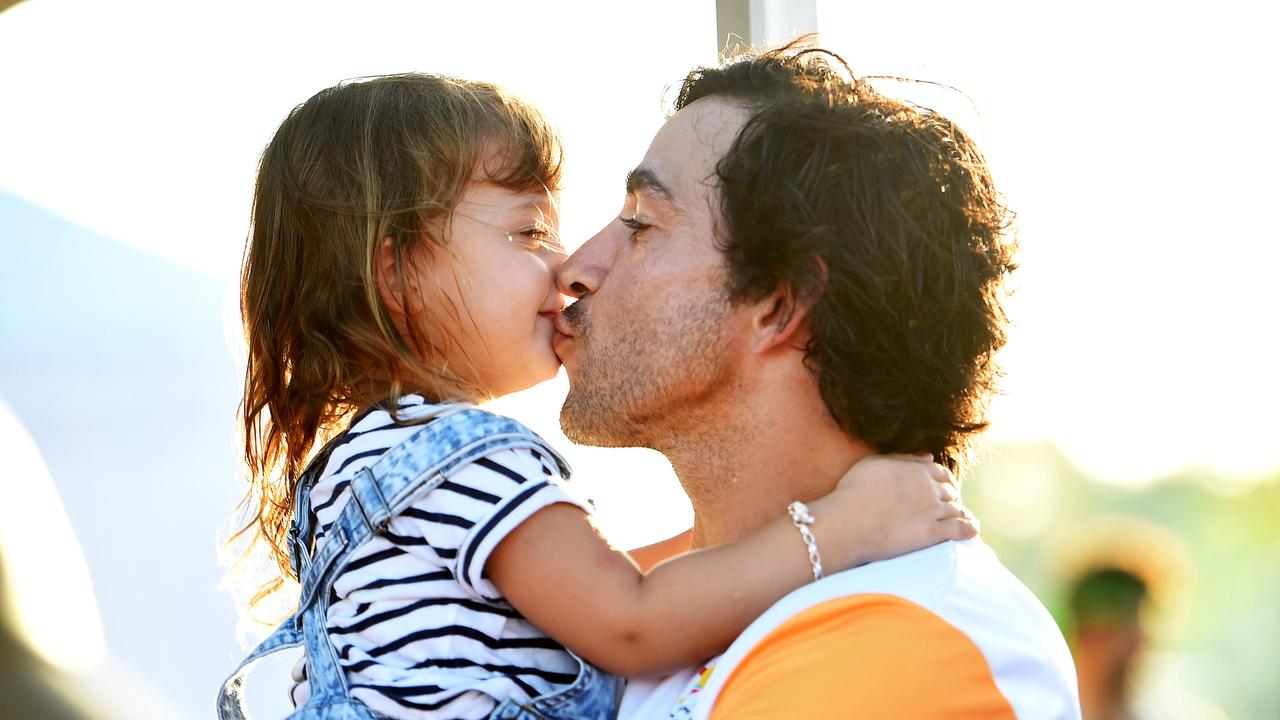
[[890, 505]]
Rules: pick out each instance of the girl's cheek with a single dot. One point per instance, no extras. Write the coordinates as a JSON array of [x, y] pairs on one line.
[[536, 274]]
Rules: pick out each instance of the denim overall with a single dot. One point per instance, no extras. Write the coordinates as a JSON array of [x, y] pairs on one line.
[[376, 494]]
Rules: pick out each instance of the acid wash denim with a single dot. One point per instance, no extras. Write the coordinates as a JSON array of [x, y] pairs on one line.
[[376, 494]]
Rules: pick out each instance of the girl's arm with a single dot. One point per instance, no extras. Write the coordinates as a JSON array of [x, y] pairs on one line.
[[649, 555], [566, 579]]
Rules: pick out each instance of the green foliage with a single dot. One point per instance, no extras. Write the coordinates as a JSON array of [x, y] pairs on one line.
[[1213, 544]]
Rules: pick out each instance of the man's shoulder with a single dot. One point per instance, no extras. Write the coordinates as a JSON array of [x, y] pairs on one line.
[[962, 582], [898, 631]]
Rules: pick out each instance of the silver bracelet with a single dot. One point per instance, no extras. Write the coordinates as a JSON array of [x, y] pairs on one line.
[[802, 519]]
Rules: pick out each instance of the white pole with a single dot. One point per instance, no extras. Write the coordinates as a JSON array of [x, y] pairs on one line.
[[774, 22], [747, 23]]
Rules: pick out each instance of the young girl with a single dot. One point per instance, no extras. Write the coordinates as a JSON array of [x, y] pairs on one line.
[[399, 270]]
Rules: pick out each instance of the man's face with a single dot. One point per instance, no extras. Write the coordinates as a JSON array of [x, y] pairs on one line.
[[653, 337]]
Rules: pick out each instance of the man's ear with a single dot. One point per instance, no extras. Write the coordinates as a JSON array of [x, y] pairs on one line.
[[781, 318]]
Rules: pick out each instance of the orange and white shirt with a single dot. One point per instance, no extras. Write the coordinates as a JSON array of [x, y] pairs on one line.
[[943, 632]]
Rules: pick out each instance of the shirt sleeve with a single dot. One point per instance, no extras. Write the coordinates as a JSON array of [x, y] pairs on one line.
[[461, 521], [873, 656]]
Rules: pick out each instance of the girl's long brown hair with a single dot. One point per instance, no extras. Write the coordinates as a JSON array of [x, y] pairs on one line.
[[386, 157]]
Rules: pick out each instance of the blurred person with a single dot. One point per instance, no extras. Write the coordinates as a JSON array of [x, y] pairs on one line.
[[1106, 607], [1127, 577], [399, 270], [805, 272]]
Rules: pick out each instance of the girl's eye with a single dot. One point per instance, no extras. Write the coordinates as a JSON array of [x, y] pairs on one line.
[[536, 238], [634, 225]]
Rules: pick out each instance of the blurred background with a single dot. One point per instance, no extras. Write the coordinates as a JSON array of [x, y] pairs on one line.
[[1132, 474]]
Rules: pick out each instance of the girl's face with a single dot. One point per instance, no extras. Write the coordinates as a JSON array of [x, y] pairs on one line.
[[492, 288]]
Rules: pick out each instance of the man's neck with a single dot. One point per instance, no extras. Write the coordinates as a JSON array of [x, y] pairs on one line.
[[743, 467]]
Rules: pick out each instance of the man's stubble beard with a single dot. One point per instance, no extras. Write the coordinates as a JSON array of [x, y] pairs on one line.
[[639, 385]]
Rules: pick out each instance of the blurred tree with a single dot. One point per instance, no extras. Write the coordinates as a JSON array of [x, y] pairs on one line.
[[1207, 548]]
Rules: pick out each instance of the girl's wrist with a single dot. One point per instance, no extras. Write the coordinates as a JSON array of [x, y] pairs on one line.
[[839, 535], [803, 520]]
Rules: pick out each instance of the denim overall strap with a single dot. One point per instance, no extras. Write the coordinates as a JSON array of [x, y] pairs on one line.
[[289, 634], [300, 530], [594, 695], [403, 473], [230, 696], [452, 439]]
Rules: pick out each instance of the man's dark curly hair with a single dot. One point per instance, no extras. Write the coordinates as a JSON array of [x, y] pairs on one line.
[[884, 212]]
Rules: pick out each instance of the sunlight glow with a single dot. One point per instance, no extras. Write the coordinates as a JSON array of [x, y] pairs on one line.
[[1145, 309], [46, 578], [1122, 135], [152, 139]]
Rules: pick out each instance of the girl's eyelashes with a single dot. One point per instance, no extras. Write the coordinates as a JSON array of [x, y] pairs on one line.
[[635, 226], [536, 237]]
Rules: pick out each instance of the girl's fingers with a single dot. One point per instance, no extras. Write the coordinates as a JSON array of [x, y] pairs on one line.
[[953, 509], [947, 493], [944, 476], [961, 528]]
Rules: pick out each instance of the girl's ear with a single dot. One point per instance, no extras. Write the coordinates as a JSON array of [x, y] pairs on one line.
[[387, 280]]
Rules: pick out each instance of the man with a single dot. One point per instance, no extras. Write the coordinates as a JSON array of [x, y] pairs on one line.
[[805, 272]]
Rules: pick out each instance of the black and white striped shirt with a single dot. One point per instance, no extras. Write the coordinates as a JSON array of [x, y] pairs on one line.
[[419, 633]]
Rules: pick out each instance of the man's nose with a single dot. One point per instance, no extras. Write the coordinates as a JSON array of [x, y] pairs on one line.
[[583, 272]]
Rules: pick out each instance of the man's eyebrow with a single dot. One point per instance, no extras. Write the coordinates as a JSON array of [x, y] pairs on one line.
[[644, 179]]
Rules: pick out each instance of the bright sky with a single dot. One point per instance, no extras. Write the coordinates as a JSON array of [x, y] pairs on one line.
[[1125, 137], [1131, 138]]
